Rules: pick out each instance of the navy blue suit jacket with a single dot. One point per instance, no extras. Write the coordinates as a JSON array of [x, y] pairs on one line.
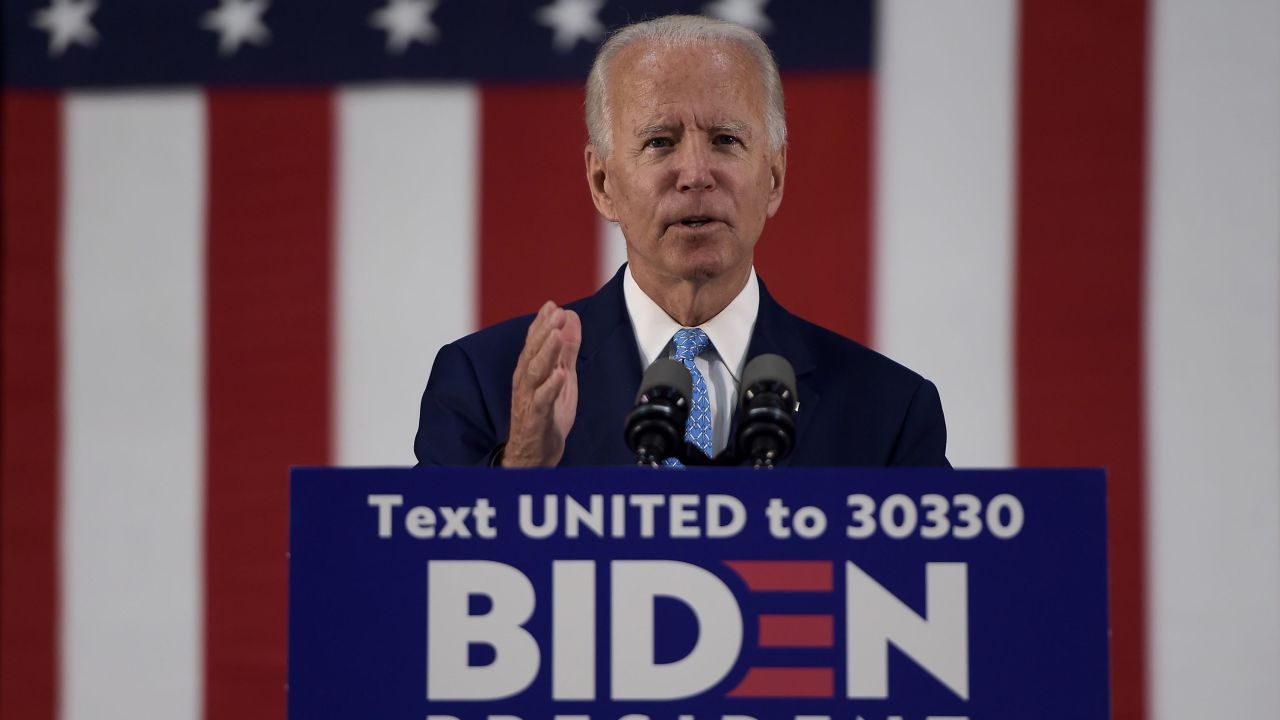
[[857, 407]]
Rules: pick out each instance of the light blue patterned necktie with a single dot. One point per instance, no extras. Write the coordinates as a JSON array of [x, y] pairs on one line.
[[690, 343]]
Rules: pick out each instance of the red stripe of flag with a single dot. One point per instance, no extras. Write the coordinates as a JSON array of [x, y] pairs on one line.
[[796, 631], [815, 253], [1079, 295], [31, 167], [269, 281], [784, 575], [786, 683], [538, 228]]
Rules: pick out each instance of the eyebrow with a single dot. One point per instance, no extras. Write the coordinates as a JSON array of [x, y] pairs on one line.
[[654, 129], [729, 126]]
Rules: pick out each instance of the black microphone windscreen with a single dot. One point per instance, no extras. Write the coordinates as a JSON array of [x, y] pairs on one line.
[[769, 367], [665, 372], [766, 411]]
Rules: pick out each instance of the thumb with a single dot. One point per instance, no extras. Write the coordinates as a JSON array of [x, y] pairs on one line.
[[571, 335]]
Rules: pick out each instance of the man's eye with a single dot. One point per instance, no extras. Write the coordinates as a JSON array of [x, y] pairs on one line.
[[658, 142], [727, 140]]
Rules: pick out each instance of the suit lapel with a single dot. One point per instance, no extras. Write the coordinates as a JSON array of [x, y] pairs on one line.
[[778, 331], [609, 373]]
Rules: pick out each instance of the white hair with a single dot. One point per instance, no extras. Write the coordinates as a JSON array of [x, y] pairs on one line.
[[682, 31]]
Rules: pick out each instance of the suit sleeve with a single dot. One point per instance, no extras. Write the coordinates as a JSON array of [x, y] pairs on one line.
[[922, 440], [454, 426]]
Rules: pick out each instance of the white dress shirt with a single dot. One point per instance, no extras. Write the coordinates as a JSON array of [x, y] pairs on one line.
[[721, 363]]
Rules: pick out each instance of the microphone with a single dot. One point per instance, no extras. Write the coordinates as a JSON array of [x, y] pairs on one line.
[[655, 426], [767, 407]]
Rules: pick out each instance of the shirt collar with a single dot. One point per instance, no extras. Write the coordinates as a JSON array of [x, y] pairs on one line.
[[729, 331]]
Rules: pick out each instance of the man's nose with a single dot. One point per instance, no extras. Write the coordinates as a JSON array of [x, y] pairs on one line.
[[695, 168]]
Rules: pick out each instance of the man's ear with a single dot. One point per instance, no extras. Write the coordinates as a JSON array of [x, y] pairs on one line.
[[598, 182], [777, 179]]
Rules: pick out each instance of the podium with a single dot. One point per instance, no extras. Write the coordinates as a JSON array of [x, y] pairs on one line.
[[635, 593]]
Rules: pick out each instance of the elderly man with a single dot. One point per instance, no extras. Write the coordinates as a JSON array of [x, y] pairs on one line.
[[687, 153]]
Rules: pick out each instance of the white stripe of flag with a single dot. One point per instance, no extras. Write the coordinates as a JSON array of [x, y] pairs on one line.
[[1213, 360], [943, 216], [133, 423], [406, 260]]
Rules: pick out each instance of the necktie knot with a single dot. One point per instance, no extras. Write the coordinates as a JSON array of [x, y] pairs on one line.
[[690, 343]]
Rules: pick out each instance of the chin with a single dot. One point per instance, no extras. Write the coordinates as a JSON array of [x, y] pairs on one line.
[[705, 256], [701, 269]]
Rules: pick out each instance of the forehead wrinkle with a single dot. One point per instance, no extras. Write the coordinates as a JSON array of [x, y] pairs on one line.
[[642, 75]]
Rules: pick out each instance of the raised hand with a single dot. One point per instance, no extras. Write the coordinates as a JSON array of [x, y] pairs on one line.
[[544, 389]]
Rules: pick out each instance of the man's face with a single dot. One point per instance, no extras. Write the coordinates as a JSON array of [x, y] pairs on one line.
[[690, 176]]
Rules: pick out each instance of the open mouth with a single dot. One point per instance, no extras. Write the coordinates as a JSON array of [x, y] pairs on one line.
[[695, 222]]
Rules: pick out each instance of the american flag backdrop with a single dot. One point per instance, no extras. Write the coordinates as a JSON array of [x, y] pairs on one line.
[[236, 232]]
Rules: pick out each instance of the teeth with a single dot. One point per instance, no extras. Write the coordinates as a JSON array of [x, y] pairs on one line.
[[696, 222]]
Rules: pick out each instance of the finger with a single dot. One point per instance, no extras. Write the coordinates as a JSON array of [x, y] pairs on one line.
[[536, 335], [544, 398], [545, 360], [554, 320], [538, 328], [571, 336]]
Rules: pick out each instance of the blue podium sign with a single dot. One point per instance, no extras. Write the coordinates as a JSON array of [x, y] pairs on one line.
[[634, 594]]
